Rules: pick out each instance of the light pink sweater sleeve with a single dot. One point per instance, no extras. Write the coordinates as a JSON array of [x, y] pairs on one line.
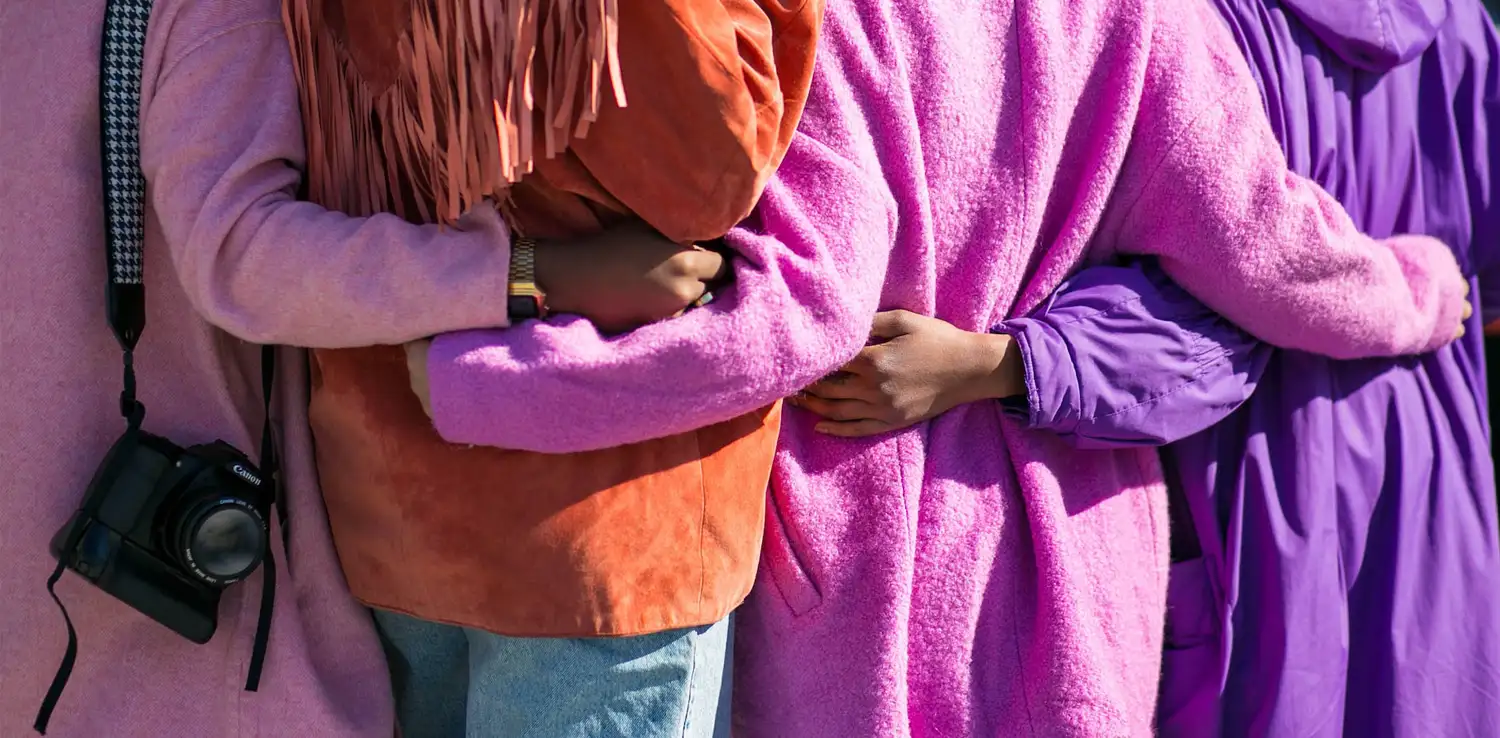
[[1206, 188], [807, 282], [221, 147]]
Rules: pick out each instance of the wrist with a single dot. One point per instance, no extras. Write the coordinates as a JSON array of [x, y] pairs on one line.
[[546, 261], [554, 259], [999, 372]]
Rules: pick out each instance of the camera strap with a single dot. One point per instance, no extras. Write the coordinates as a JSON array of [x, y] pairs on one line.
[[122, 58]]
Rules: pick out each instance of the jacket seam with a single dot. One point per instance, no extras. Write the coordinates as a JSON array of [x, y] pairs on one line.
[[1197, 377], [1094, 313], [172, 66], [1160, 163]]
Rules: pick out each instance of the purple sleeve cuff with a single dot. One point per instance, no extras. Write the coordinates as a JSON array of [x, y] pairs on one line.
[[1052, 401], [1122, 356]]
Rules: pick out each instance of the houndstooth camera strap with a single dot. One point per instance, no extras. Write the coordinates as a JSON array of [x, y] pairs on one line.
[[120, 107], [121, 61]]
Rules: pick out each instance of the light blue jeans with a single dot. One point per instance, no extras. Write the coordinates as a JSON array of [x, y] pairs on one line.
[[453, 682]]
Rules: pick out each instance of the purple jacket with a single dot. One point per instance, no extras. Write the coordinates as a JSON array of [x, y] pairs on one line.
[[1345, 577]]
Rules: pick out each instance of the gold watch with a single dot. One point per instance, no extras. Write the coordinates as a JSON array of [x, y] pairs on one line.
[[526, 301]]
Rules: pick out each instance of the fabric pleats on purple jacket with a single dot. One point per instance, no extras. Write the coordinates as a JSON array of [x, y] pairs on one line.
[[1336, 568]]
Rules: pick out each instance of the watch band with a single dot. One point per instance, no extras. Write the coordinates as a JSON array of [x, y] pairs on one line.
[[522, 261], [526, 301]]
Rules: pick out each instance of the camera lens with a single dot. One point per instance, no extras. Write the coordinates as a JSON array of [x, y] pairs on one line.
[[222, 540]]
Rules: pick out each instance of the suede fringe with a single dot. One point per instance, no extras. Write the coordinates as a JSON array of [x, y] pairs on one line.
[[452, 119]]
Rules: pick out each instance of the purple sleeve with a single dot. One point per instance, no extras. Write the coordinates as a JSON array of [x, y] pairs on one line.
[[1122, 356], [806, 288], [221, 146]]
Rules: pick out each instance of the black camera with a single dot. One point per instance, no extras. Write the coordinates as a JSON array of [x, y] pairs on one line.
[[165, 529]]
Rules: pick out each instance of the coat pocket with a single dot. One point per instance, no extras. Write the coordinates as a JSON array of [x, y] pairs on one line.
[[784, 564]]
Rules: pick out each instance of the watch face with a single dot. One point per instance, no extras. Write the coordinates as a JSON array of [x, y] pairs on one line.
[[524, 307]]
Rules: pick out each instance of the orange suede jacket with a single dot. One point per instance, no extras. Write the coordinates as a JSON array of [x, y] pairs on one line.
[[657, 535]]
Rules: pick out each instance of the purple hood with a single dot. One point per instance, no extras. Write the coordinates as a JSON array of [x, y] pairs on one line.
[[1373, 34]]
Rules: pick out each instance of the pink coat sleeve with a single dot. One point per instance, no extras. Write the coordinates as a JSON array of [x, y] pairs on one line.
[[221, 147], [1205, 187], [807, 282]]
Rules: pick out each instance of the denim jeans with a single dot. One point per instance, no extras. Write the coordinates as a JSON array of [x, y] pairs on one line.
[[454, 682]]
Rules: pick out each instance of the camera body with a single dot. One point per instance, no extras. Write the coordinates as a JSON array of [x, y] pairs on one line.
[[165, 529]]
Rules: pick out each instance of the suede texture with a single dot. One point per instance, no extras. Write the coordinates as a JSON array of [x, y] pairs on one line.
[[621, 541], [637, 539]]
